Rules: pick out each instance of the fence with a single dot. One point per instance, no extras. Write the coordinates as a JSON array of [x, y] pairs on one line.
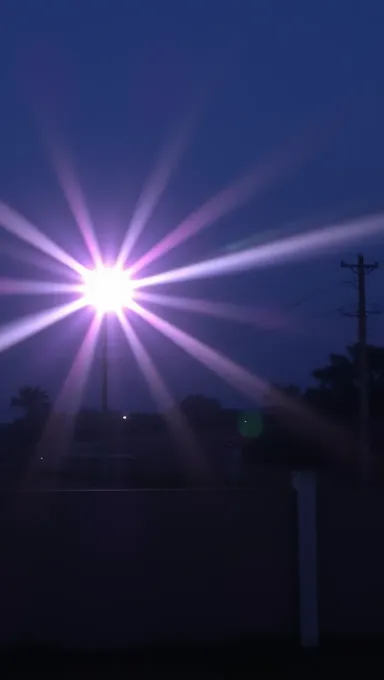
[[101, 567], [115, 567], [351, 562]]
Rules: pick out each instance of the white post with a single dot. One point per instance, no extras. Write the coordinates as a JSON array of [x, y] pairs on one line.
[[305, 484]]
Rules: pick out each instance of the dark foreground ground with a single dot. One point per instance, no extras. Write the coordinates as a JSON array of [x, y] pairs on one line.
[[102, 568], [100, 582], [248, 658]]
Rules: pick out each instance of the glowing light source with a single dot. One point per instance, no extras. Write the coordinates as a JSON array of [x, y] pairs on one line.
[[107, 289]]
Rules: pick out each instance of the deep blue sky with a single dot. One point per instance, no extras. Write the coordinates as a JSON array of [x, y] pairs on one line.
[[115, 79]]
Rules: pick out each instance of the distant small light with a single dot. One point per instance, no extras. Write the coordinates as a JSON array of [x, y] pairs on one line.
[[124, 417], [41, 458], [250, 424]]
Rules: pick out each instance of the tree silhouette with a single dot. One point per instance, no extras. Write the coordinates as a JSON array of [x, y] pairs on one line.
[[199, 409], [34, 402], [337, 390]]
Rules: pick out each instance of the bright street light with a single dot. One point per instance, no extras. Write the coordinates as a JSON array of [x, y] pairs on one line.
[[107, 289]]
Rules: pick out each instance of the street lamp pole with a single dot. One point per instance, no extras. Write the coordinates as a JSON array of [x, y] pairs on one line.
[[104, 369], [105, 395]]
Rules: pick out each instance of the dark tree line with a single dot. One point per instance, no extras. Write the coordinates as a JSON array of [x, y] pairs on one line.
[[334, 394]]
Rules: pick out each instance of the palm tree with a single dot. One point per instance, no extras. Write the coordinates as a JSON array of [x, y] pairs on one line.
[[33, 401]]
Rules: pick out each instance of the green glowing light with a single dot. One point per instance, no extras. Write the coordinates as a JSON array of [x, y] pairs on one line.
[[250, 424]]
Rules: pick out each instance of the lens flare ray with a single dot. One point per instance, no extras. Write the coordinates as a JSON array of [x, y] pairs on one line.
[[249, 384], [247, 187], [31, 287], [17, 331], [147, 366], [71, 189], [59, 429], [72, 391], [274, 253], [24, 252], [206, 355], [162, 396], [155, 188], [262, 318], [19, 226]]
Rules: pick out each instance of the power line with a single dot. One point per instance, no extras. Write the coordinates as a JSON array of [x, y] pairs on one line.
[[308, 299], [361, 269]]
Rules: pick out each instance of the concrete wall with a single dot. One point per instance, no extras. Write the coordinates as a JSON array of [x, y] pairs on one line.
[[110, 567]]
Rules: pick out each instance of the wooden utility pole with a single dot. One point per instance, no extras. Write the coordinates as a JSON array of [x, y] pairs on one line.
[[361, 269]]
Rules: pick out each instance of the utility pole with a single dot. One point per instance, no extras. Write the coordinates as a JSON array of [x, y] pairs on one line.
[[361, 269]]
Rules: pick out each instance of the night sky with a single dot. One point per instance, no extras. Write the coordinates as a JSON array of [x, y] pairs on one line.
[[114, 83]]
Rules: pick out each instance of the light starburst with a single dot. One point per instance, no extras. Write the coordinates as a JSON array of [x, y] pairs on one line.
[[111, 289]]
